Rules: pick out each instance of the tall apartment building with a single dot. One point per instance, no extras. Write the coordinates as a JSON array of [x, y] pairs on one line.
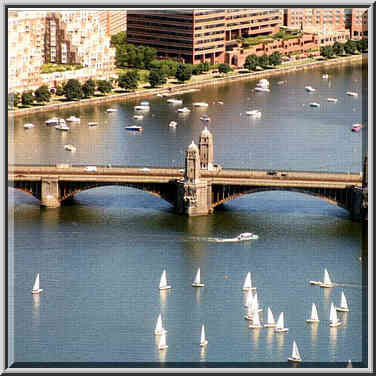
[[194, 36], [64, 37], [357, 22], [114, 21]]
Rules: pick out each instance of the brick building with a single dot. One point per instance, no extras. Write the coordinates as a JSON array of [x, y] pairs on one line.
[[114, 21]]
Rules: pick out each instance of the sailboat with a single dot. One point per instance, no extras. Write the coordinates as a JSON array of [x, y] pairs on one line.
[[280, 324], [255, 321], [248, 283], [197, 281], [163, 283], [333, 317], [270, 321], [255, 305], [327, 281], [343, 307], [295, 356], [162, 342], [203, 341], [249, 299], [36, 289], [314, 315], [159, 327]]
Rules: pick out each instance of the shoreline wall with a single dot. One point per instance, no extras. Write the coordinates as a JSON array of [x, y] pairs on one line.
[[193, 85]]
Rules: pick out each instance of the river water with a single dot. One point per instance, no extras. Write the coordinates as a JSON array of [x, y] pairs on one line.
[[101, 256]]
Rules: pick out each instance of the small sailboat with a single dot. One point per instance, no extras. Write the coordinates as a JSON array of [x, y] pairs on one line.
[[270, 320], [248, 283], [334, 322], [36, 289], [163, 282], [203, 341], [327, 281], [314, 315], [255, 304], [162, 342], [197, 281], [159, 327], [295, 355], [349, 364], [255, 321], [280, 324], [344, 306]]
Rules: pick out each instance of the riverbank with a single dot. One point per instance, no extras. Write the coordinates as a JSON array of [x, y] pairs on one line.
[[180, 88]]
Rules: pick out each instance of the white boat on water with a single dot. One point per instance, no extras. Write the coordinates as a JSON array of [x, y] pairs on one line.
[[136, 128], [163, 282], [197, 281], [203, 340], [314, 316], [327, 281], [142, 107], [138, 117], [200, 104], [246, 236], [248, 283], [92, 123], [249, 299], [73, 118], [162, 342], [262, 89], [255, 324], [144, 103], [344, 306], [172, 124], [351, 93], [62, 127], [314, 104], [52, 121], [28, 125], [325, 76], [175, 101], [184, 110], [70, 147], [205, 118], [280, 327], [333, 100], [36, 288], [295, 355], [111, 110], [159, 327], [334, 322], [263, 83], [310, 88], [255, 113], [270, 323]]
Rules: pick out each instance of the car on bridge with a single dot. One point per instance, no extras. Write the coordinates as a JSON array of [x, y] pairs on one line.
[[91, 168], [271, 172]]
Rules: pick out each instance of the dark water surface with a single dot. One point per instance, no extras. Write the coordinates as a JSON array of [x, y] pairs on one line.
[[100, 257]]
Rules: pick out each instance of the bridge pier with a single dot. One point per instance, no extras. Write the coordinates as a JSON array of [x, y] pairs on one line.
[[50, 193]]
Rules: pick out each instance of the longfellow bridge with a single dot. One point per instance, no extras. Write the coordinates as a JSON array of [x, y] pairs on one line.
[[198, 188]]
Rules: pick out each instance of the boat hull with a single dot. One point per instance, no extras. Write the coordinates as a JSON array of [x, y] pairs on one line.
[[283, 330], [342, 309], [202, 344], [249, 288], [315, 282], [197, 284], [165, 288], [269, 325], [254, 326], [294, 360], [312, 321], [159, 332], [339, 323], [162, 347], [326, 285], [36, 291]]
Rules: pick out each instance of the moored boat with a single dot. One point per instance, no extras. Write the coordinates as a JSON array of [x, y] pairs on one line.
[[184, 110], [73, 118], [200, 104], [334, 100], [174, 101], [205, 118], [172, 124], [255, 113], [52, 121], [325, 76], [62, 127], [310, 88], [356, 127], [92, 123], [351, 93], [246, 236], [28, 125], [314, 104], [70, 147], [142, 108], [111, 110], [138, 117], [262, 89], [134, 128]]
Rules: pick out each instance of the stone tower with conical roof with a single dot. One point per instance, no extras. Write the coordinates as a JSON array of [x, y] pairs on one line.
[[206, 149], [192, 164]]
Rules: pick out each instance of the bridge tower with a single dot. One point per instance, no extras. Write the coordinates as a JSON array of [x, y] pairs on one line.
[[193, 194], [206, 149]]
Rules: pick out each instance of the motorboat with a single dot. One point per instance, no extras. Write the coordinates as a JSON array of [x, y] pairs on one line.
[[111, 110], [325, 76], [310, 88], [73, 118], [62, 127], [184, 110], [134, 128], [263, 83], [28, 125], [142, 107], [138, 117], [144, 103], [200, 104], [255, 113], [314, 104], [197, 281], [205, 118], [203, 340], [344, 306], [356, 127], [246, 236], [70, 147], [295, 355], [314, 316], [163, 282], [172, 124], [36, 288], [351, 93], [262, 89], [175, 101], [220, 102], [52, 121], [333, 100], [92, 123]]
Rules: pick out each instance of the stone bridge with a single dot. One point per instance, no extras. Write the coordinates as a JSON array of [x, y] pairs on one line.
[[195, 190]]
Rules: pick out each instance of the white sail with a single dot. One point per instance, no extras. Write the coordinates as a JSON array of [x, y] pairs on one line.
[[163, 282], [314, 315], [333, 315], [198, 277], [270, 316], [249, 299], [256, 319], [327, 280], [162, 341], [344, 301], [280, 322], [203, 337], [255, 305], [295, 351], [159, 326], [247, 282], [36, 283]]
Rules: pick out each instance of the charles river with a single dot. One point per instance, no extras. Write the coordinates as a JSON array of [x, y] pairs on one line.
[[100, 257]]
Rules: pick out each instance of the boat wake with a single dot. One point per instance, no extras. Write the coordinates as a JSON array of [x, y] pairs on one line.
[[350, 285], [231, 240]]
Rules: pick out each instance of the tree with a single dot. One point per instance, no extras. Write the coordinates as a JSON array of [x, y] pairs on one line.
[[104, 86], [205, 66], [59, 91], [42, 94], [362, 45], [129, 80], [27, 98], [73, 89], [198, 69], [156, 77], [251, 62], [263, 60], [275, 58], [224, 68], [121, 56], [149, 54], [13, 99], [338, 48], [184, 72], [88, 88], [327, 51], [119, 39], [350, 47]]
